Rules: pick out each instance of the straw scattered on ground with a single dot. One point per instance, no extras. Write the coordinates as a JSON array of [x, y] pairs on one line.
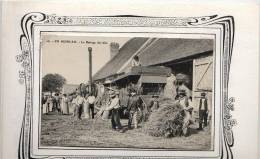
[[62, 130]]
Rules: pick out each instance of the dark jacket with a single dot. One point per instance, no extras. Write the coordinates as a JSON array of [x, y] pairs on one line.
[[44, 100], [205, 103], [134, 102]]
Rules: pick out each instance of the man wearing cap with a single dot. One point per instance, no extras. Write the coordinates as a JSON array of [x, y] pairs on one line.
[[79, 104], [185, 102], [203, 110], [114, 107], [134, 105], [183, 99]]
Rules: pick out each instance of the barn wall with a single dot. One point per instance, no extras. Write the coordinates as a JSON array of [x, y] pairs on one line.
[[202, 81]]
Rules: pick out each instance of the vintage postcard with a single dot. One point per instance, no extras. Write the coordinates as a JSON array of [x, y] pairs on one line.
[[147, 92], [129, 86]]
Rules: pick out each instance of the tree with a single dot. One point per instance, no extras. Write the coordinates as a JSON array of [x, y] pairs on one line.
[[52, 82]]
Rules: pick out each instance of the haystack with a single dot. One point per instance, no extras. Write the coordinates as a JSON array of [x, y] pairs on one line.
[[167, 121]]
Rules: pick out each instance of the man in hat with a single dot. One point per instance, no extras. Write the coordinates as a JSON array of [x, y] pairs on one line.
[[203, 110], [185, 102], [183, 99], [79, 104], [114, 107], [134, 105]]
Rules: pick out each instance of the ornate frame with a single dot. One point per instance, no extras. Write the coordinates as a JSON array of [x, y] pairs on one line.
[[29, 20]]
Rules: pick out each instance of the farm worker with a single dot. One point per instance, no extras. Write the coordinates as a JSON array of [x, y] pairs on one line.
[[134, 105], [203, 110], [135, 61], [44, 105], [73, 103], [56, 102], [183, 87], [64, 104], [183, 99], [86, 107], [91, 101], [79, 104], [50, 103], [154, 102], [114, 106], [185, 102]]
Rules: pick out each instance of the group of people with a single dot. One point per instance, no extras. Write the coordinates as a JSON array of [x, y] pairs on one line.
[[134, 106], [56, 102], [83, 106], [186, 102], [61, 104]]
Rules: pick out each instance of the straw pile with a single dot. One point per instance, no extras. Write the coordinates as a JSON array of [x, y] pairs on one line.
[[167, 121]]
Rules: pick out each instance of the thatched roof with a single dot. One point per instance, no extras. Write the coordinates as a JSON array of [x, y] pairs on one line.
[[125, 53], [161, 51], [166, 50]]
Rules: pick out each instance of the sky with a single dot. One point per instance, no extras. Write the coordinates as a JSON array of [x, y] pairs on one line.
[[67, 55]]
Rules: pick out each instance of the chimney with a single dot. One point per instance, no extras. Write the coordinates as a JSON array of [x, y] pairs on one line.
[[114, 49], [90, 67]]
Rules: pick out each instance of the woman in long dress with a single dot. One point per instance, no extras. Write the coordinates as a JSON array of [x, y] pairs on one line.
[[64, 105], [44, 105]]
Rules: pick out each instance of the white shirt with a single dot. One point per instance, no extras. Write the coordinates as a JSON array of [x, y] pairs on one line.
[[79, 100], [73, 101], [135, 63], [202, 104], [183, 102], [91, 99], [114, 104]]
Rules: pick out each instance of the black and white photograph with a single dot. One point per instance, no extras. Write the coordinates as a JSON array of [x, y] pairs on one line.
[[127, 92], [129, 79]]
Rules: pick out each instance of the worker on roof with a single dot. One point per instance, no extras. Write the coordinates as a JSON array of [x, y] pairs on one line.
[[135, 61]]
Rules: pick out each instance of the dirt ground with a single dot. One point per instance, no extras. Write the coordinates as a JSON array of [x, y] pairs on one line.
[[65, 131]]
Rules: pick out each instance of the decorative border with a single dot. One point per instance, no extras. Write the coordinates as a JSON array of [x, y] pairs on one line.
[[35, 18]]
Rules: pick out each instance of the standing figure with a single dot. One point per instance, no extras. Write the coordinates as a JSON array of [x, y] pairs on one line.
[[114, 106], [44, 105], [79, 105], [185, 102], [182, 98], [134, 105], [73, 104], [91, 101], [65, 104], [86, 107], [203, 111], [50, 103], [56, 103]]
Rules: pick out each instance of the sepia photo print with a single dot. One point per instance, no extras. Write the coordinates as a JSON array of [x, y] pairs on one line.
[[126, 86], [127, 92]]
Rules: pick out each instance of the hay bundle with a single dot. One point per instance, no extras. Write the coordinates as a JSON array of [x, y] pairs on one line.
[[167, 121]]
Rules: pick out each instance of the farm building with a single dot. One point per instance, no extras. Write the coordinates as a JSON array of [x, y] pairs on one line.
[[165, 64]]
